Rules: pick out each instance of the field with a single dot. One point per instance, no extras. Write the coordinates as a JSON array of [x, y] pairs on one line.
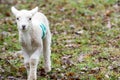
[[85, 40]]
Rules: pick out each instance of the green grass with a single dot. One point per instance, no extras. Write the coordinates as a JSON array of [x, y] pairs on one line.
[[99, 45]]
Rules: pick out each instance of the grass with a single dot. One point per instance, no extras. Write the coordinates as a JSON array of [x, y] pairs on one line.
[[93, 54]]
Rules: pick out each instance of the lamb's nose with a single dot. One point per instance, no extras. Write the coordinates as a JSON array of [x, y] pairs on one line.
[[23, 27]]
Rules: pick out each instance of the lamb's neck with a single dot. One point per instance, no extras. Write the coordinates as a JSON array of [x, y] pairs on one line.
[[26, 38]]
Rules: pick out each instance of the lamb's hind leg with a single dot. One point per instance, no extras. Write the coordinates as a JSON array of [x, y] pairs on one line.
[[47, 52]]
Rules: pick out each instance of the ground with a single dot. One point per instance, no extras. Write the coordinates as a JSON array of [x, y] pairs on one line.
[[85, 40]]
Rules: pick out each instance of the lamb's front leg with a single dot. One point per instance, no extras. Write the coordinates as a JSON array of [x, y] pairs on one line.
[[34, 59], [26, 61]]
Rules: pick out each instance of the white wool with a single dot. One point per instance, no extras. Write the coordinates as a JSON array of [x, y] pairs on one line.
[[30, 37]]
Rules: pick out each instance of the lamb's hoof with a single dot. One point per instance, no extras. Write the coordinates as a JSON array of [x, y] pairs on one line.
[[47, 69], [31, 77]]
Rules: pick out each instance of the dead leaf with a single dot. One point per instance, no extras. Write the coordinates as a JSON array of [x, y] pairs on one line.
[[81, 58], [107, 76], [109, 24], [84, 69], [108, 12], [68, 74], [94, 70], [79, 32], [22, 69], [42, 72], [72, 26]]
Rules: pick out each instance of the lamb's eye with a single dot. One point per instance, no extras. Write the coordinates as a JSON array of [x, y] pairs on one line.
[[17, 18], [29, 18]]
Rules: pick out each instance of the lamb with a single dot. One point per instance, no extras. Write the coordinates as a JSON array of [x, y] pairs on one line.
[[35, 39]]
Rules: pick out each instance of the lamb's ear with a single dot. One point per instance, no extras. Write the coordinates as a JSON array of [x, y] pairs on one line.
[[14, 10], [33, 11]]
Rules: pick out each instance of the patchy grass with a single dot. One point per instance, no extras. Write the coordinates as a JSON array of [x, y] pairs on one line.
[[85, 45]]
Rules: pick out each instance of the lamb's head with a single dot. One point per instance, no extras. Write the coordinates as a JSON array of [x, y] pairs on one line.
[[24, 18]]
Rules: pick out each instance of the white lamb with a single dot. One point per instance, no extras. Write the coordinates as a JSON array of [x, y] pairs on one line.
[[35, 39]]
